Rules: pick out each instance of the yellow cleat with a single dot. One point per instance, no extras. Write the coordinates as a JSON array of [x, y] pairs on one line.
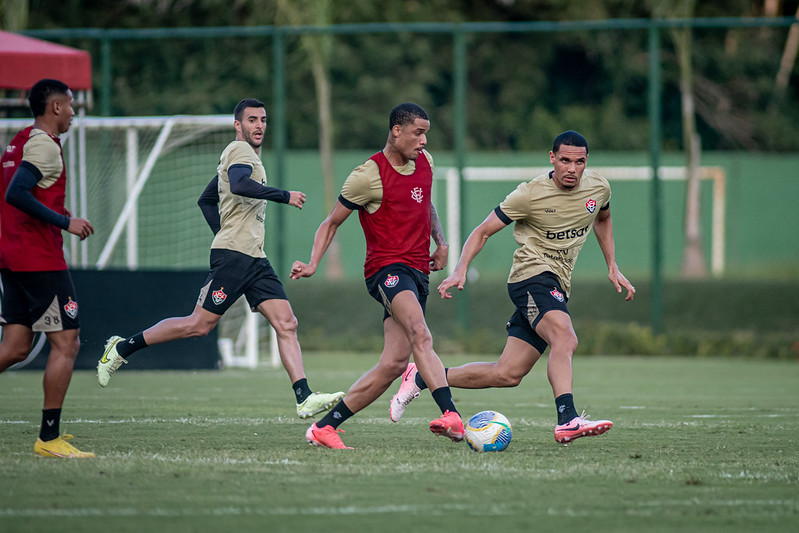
[[110, 361], [318, 402], [59, 447]]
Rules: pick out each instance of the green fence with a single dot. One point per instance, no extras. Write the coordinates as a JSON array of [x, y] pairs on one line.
[[451, 96]]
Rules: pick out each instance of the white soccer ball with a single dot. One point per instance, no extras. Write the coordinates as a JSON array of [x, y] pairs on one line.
[[488, 431]]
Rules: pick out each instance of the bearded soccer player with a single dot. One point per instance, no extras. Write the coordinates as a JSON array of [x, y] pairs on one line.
[[553, 215], [38, 295], [391, 192], [234, 205]]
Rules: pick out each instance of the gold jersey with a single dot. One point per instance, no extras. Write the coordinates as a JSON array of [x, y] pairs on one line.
[[45, 154], [364, 187], [552, 224], [241, 218]]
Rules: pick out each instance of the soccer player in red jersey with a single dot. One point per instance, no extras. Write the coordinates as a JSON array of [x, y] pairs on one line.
[[391, 192], [38, 295]]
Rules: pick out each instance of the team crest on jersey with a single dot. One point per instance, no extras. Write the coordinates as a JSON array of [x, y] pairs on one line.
[[591, 205], [417, 194], [556, 294], [219, 296], [71, 308], [391, 281]]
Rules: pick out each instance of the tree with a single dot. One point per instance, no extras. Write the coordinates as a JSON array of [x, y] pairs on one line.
[[318, 48], [693, 259]]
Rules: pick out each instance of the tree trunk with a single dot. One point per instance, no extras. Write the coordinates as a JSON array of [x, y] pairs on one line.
[[318, 12], [786, 64], [693, 260]]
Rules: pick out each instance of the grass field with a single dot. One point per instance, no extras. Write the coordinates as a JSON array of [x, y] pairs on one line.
[[698, 445]]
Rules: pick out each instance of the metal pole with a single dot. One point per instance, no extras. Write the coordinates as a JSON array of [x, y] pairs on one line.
[[278, 129], [105, 73], [459, 45], [654, 111]]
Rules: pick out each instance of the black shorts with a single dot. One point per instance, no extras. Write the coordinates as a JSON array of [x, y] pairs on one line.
[[42, 301], [392, 280], [233, 274], [533, 297]]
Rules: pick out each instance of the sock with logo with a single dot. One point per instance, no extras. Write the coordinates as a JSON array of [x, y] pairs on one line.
[[125, 347], [566, 410], [420, 382], [443, 398], [51, 418], [301, 389], [335, 416]]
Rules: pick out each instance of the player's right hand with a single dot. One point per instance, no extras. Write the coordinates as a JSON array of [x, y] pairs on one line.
[[301, 270], [80, 227]]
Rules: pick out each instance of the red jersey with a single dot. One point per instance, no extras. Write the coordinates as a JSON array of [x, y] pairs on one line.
[[28, 244], [399, 231]]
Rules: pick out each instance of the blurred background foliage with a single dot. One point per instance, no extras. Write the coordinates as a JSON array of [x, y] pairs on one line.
[[521, 86]]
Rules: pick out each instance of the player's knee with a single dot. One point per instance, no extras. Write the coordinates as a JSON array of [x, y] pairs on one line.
[[420, 334], [286, 326], [16, 355], [199, 328], [565, 343], [508, 380]]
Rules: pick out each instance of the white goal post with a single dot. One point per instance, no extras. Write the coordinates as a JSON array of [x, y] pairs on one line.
[[631, 173]]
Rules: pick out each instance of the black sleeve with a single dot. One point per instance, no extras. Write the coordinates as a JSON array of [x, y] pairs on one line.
[[209, 205], [19, 195], [241, 184], [349, 205], [502, 216]]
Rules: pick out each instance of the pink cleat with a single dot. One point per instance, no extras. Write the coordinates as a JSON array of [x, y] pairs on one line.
[[325, 436], [408, 391], [580, 426], [449, 425]]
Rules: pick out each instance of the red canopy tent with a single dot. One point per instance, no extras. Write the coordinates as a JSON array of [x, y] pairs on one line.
[[25, 60]]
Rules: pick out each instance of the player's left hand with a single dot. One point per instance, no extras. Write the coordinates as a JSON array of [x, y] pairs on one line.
[[296, 198], [618, 280], [439, 258]]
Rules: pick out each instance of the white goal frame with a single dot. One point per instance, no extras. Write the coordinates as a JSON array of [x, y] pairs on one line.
[[631, 173]]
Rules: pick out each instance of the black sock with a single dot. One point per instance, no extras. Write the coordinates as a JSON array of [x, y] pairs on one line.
[[51, 418], [566, 410], [443, 398], [301, 389], [125, 347], [335, 416], [420, 382]]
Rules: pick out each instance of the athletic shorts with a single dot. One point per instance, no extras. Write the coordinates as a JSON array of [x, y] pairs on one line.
[[42, 301], [533, 297], [233, 274], [391, 280]]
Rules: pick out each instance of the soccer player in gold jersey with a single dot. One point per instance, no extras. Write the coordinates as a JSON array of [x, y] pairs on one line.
[[234, 205], [553, 215]]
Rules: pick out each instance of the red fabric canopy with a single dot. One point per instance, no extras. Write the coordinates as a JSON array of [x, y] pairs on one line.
[[25, 60]]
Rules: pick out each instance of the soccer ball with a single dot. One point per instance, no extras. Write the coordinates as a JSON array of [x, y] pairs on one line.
[[488, 431]]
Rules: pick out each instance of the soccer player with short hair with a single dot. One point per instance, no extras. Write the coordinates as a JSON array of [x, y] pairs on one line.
[[391, 192], [38, 295], [234, 205], [553, 215]]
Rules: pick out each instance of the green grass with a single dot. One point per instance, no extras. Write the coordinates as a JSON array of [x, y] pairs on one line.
[[698, 445]]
